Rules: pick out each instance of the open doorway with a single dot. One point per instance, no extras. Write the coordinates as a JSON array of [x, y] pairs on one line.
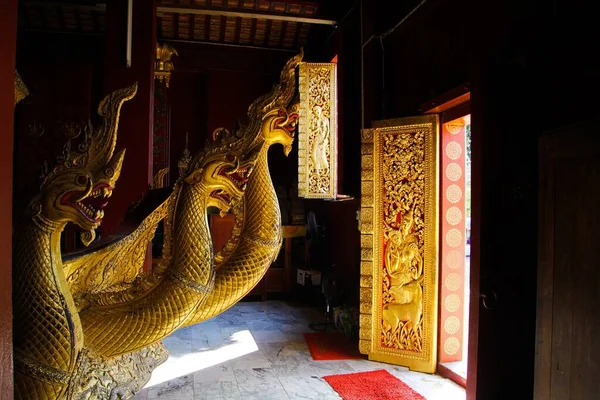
[[455, 224]]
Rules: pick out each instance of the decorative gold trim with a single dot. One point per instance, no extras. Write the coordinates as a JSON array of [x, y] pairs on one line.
[[163, 64], [159, 178], [399, 207], [317, 131], [21, 90]]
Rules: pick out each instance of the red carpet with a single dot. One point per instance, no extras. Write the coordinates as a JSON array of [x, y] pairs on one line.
[[331, 346], [371, 385]]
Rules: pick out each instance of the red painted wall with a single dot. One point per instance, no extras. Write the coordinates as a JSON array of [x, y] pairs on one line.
[[137, 115], [8, 32], [211, 87]]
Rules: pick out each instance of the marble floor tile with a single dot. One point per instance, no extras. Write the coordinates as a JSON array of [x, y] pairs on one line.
[[259, 383], [255, 359], [254, 316], [263, 325], [217, 391], [217, 373], [268, 336], [309, 388], [323, 368]]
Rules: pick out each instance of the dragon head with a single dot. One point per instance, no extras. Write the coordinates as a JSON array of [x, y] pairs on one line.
[[78, 188], [279, 126], [273, 116], [222, 172]]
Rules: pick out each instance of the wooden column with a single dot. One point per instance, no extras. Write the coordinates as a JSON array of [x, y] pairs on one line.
[[8, 32], [137, 115]]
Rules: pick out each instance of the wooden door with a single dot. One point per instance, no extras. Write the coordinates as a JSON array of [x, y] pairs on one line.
[[567, 359], [399, 242]]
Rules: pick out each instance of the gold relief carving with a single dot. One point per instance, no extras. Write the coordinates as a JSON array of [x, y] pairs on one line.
[[366, 188], [186, 158], [366, 148], [451, 325], [404, 159], [453, 193], [366, 281], [366, 254], [452, 282], [453, 215], [366, 227], [454, 259], [364, 346], [365, 307], [317, 134], [366, 241], [21, 90], [366, 268], [366, 136], [366, 294], [453, 150], [163, 64], [366, 214], [453, 171], [365, 320], [366, 174], [158, 182], [115, 378]]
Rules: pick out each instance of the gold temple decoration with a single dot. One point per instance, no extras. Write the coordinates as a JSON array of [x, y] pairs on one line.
[[21, 90], [184, 162], [399, 242], [90, 326], [158, 181], [163, 65], [49, 340], [317, 134]]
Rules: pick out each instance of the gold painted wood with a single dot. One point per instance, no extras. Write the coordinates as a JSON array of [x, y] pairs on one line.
[[21, 90], [399, 242], [317, 134]]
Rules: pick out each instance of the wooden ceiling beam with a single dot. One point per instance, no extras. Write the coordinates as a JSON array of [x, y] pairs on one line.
[[297, 36], [244, 13], [213, 43], [268, 32], [284, 26]]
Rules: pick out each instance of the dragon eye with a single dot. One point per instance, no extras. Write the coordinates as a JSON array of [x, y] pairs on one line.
[[82, 179], [230, 157]]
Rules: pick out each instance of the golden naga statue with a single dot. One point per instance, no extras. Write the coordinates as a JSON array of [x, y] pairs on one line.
[[90, 326]]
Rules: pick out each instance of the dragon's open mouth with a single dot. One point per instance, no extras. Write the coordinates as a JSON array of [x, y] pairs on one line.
[[292, 122], [288, 123], [221, 195], [91, 206], [239, 175]]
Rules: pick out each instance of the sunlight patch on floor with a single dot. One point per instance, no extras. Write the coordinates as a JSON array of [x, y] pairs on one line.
[[175, 367]]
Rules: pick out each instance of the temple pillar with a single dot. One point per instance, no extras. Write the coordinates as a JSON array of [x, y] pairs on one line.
[[8, 32], [137, 115]]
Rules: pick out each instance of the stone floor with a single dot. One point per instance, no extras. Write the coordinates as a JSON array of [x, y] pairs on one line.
[[256, 350]]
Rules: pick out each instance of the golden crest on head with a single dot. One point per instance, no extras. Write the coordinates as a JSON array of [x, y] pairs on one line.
[[78, 187]]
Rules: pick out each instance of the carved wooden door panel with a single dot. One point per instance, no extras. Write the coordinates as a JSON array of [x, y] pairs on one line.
[[399, 242]]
